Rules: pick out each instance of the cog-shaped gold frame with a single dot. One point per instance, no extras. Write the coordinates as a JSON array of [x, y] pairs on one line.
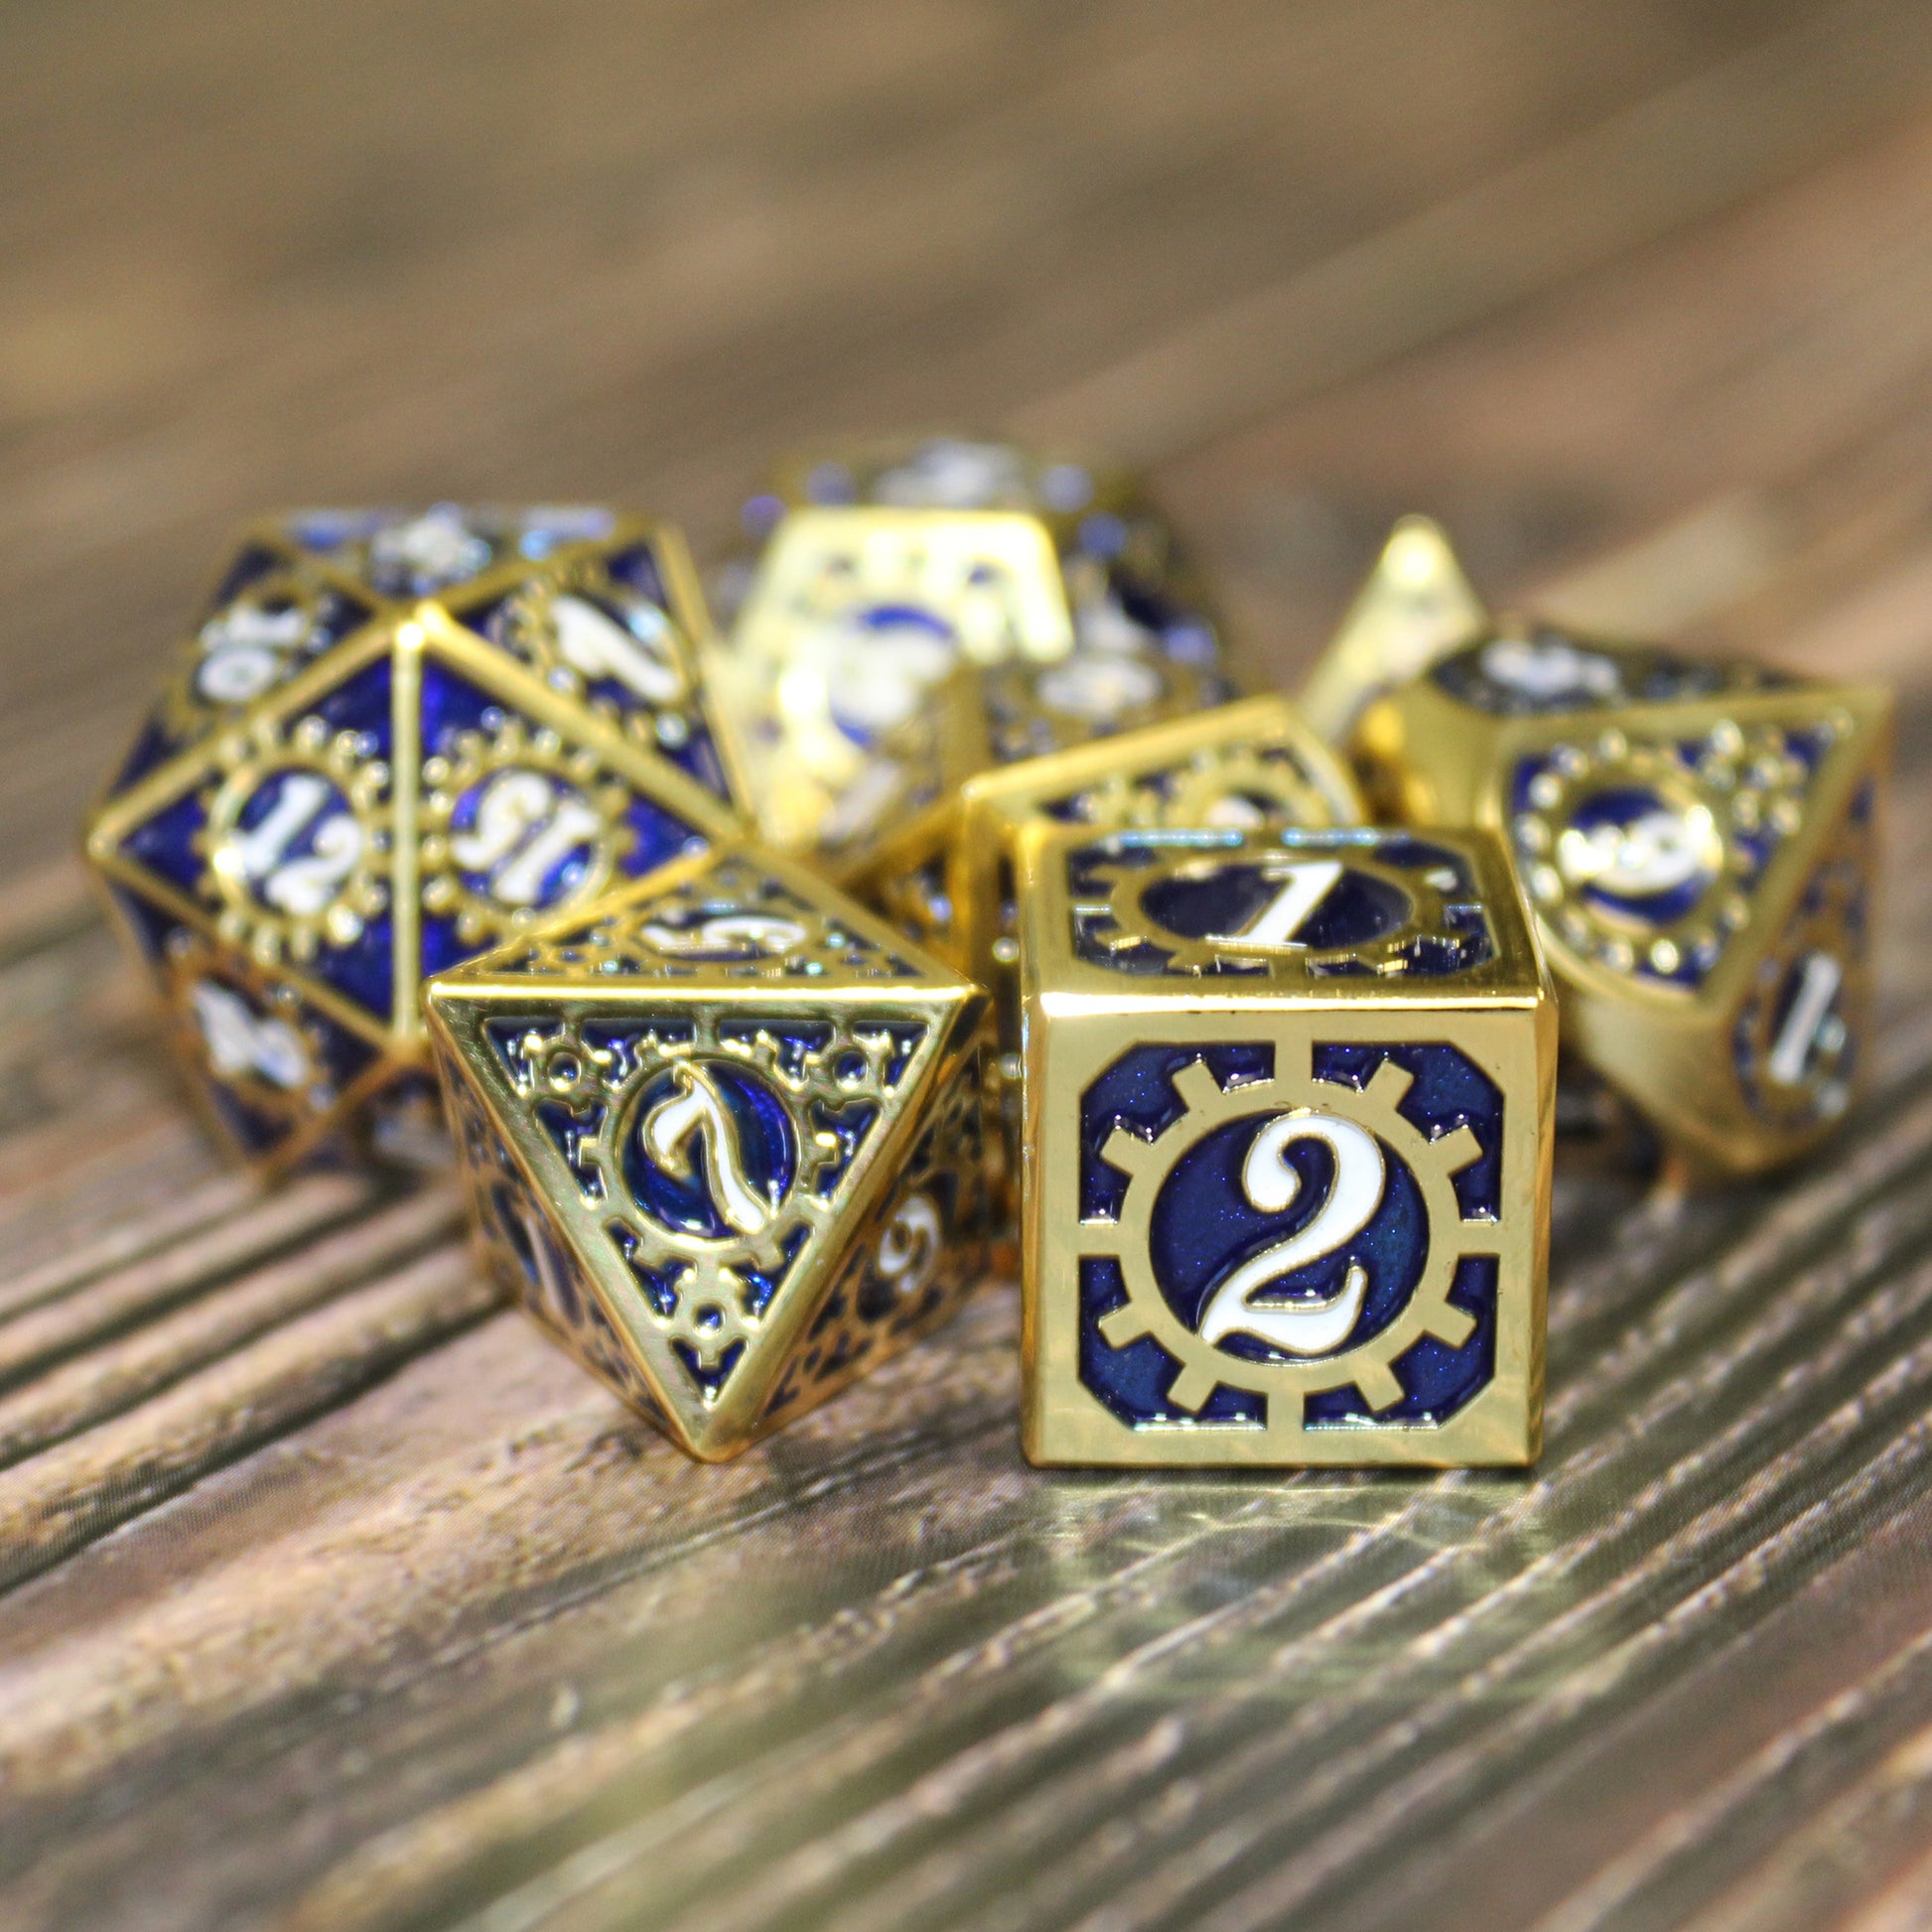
[[1134, 925], [527, 631], [477, 759], [187, 709], [1733, 786], [1209, 1105], [710, 1312], [248, 760]]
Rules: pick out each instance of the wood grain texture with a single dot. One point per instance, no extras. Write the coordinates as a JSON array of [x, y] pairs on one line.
[[330, 1597]]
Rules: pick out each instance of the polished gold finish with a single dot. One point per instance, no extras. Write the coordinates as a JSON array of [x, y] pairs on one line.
[[723, 1137], [854, 616], [397, 737], [1187, 994], [1055, 585], [1696, 840], [1252, 764], [888, 839], [1415, 604]]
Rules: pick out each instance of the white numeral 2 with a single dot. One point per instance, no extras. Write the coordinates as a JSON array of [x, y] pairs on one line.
[[1271, 1185]]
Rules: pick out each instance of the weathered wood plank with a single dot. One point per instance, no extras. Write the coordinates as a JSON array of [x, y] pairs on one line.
[[334, 1601], [970, 263], [123, 1370], [1677, 155], [77, 1491]]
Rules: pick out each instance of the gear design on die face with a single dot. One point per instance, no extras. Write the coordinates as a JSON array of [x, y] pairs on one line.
[[731, 919], [1257, 907], [1242, 789], [1642, 856], [607, 645], [1358, 1125], [271, 630], [722, 1151], [297, 840], [515, 824]]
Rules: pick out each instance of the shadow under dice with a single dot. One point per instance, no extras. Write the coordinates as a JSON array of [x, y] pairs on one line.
[[1285, 1168], [723, 1137], [1697, 843], [394, 740]]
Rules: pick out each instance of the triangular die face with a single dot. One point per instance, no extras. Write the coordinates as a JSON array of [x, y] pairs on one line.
[[599, 627], [1416, 606], [728, 918], [1803, 1032], [699, 1165], [1540, 671], [279, 835], [520, 819], [1663, 845], [521, 1243], [274, 1068], [272, 619], [915, 1264]]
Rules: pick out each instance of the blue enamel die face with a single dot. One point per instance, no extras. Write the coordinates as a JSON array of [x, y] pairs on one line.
[[396, 737], [1323, 1242], [1285, 1101], [1696, 839], [1329, 905], [747, 1123]]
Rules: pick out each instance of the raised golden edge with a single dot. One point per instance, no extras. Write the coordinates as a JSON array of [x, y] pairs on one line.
[[1415, 607]]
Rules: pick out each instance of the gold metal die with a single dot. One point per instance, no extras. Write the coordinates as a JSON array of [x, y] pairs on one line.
[[1251, 765], [722, 1138], [391, 739], [1416, 606], [1696, 840], [1218, 1024], [854, 616], [1052, 591]]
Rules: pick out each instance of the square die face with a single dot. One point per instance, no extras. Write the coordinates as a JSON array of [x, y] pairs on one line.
[[1317, 914], [1287, 1237]]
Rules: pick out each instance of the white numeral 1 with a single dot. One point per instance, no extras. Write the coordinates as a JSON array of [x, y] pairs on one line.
[[1303, 886], [1817, 990]]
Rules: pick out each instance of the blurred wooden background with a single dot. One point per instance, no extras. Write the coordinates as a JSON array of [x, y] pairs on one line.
[[330, 1598]]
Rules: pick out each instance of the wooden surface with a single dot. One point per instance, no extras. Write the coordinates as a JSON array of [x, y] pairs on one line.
[[330, 1598]]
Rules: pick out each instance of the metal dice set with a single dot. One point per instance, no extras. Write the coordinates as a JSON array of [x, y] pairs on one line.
[[953, 907]]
